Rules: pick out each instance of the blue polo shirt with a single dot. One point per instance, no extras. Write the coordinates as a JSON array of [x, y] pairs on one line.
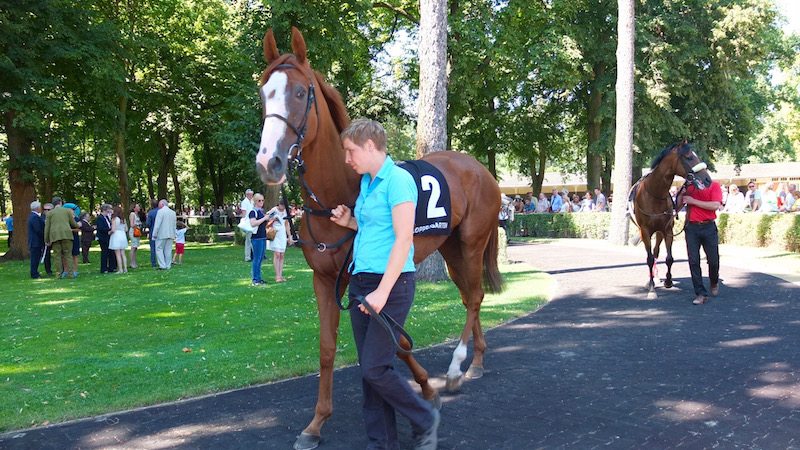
[[373, 213]]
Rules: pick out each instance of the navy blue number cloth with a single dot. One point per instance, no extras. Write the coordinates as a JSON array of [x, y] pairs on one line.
[[433, 205]]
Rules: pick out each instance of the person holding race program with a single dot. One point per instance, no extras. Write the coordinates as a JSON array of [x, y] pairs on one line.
[[383, 276]]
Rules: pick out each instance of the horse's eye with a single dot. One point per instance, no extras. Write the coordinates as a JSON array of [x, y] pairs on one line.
[[300, 93]]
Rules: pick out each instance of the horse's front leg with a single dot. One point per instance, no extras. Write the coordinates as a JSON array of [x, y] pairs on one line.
[[328, 330], [421, 377], [668, 243], [651, 261]]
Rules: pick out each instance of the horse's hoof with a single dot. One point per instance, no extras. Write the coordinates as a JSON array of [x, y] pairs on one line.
[[667, 284], [454, 384], [474, 372], [436, 401], [306, 441], [652, 295]]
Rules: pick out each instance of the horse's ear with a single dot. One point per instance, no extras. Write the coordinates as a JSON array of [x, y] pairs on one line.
[[270, 47], [298, 45]]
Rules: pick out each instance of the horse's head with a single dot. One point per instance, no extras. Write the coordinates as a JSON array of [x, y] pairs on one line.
[[686, 163], [289, 107]]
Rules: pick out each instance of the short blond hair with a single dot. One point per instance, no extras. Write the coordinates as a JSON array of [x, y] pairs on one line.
[[363, 130], [257, 197]]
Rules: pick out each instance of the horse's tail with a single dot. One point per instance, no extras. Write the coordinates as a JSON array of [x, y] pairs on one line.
[[492, 279]]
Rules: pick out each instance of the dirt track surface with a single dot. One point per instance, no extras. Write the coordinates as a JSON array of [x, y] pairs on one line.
[[597, 367]]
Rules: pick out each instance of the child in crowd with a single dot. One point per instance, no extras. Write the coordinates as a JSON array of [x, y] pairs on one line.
[[180, 242]]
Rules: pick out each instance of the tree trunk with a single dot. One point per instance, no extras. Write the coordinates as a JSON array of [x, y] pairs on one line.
[[176, 185], [122, 158], [151, 192], [432, 121], [93, 174], [537, 170], [594, 161], [20, 179], [163, 168], [623, 143]]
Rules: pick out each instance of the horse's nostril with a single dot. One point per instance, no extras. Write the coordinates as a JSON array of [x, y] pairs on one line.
[[276, 165]]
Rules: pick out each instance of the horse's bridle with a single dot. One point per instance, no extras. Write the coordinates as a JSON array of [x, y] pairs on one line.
[[690, 170], [296, 163], [300, 131]]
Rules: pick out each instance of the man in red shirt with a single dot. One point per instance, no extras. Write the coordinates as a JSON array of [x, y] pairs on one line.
[[701, 230]]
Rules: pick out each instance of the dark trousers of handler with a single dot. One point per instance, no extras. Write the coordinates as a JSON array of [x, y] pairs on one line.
[[385, 391], [702, 234]]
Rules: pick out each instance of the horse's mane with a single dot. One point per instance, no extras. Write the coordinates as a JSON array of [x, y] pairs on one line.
[[335, 103], [683, 147], [332, 97]]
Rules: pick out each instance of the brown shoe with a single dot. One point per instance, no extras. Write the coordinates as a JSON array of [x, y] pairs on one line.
[[700, 300], [715, 290]]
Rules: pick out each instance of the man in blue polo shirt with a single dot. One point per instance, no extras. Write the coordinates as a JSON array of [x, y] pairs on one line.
[[383, 273]]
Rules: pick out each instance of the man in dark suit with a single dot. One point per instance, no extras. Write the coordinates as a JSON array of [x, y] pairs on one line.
[[35, 237], [107, 261]]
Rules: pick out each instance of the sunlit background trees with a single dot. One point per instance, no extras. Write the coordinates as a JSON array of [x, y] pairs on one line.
[[122, 101]]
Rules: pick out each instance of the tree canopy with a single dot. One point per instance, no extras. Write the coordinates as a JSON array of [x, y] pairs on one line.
[[122, 102]]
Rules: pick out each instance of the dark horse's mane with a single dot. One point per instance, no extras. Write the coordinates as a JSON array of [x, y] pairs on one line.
[[332, 97], [682, 148]]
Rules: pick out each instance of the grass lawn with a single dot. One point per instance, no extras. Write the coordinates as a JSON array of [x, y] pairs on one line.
[[102, 343]]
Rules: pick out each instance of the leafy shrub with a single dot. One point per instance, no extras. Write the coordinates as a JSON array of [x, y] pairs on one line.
[[780, 231], [202, 233]]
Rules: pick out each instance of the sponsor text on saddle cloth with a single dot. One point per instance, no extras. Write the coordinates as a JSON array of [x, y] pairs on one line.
[[433, 206]]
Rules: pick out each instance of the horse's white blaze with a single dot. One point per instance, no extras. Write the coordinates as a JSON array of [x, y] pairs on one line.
[[273, 94], [459, 355]]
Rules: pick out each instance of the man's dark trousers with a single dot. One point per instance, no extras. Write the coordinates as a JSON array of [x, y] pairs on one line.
[[153, 253], [36, 256], [703, 235]]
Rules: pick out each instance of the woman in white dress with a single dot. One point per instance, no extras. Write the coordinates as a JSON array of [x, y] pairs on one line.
[[119, 239], [278, 218]]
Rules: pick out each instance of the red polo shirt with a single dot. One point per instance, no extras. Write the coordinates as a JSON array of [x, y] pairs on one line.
[[712, 193]]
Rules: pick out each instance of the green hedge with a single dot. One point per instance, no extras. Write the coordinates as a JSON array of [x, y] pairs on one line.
[[579, 225], [202, 233], [780, 231]]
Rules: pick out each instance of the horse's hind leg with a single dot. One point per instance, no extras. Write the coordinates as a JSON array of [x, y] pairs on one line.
[[420, 375], [668, 243], [475, 370], [465, 268]]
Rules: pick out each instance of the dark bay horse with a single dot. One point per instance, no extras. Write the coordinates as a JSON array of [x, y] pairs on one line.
[[653, 209], [302, 119]]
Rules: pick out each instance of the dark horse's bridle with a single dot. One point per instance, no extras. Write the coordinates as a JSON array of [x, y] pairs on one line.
[[296, 163]]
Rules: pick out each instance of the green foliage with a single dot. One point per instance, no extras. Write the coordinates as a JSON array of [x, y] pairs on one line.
[[780, 231], [577, 225], [102, 343], [203, 233]]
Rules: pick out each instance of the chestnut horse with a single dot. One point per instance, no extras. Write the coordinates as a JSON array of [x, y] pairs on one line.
[[303, 117], [653, 207]]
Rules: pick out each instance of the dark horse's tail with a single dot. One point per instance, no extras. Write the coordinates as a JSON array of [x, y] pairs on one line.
[[492, 280]]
